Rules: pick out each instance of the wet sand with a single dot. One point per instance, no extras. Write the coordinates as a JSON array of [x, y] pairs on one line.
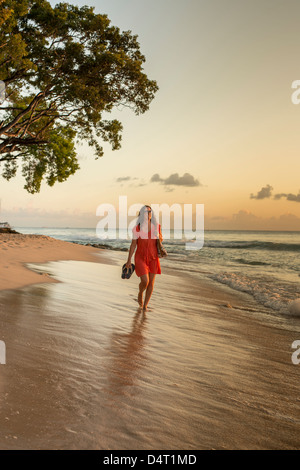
[[205, 368]]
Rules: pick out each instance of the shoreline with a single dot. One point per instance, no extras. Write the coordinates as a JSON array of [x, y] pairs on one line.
[[18, 250]]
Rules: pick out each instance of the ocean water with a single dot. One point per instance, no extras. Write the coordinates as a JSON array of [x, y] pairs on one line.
[[266, 265]]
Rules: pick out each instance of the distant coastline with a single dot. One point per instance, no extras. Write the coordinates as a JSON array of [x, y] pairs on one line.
[[171, 230]]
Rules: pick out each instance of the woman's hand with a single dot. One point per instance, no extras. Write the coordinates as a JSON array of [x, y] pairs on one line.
[[128, 264], [161, 237], [131, 251]]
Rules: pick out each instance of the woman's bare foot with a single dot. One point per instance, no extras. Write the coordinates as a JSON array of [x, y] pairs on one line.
[[145, 308]]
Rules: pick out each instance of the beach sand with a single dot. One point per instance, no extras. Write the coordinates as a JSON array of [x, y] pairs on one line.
[[17, 249], [205, 368]]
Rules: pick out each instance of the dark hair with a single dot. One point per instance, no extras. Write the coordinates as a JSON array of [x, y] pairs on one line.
[[141, 217]]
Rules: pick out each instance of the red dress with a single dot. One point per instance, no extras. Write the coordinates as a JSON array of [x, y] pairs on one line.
[[146, 258]]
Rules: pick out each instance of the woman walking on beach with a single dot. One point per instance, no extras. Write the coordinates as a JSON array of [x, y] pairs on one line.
[[147, 265]]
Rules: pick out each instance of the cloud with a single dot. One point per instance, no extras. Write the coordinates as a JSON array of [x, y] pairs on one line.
[[289, 218], [289, 197], [264, 193], [187, 180], [243, 216], [129, 180], [156, 178], [219, 218], [169, 190], [123, 178]]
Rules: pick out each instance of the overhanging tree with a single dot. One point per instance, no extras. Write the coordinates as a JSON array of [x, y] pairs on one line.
[[64, 68]]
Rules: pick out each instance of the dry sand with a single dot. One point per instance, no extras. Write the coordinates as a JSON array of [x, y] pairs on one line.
[[17, 249]]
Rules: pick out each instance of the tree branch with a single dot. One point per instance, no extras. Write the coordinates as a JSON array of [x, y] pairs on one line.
[[29, 108], [7, 147]]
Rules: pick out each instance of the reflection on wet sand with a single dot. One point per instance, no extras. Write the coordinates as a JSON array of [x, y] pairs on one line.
[[126, 356]]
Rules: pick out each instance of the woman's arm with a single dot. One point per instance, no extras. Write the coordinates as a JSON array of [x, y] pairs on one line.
[[160, 234], [131, 251]]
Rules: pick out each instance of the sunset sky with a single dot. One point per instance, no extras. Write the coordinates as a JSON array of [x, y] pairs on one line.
[[222, 130]]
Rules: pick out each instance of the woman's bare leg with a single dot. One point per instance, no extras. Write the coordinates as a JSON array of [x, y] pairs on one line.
[[142, 286], [149, 289]]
